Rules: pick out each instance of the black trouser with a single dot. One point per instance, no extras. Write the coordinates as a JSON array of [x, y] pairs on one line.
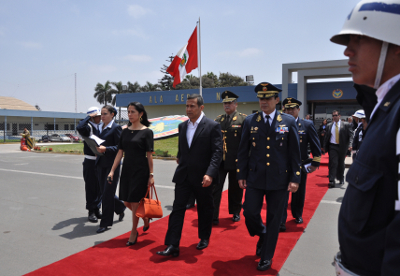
[[336, 163], [92, 187], [111, 202], [252, 206], [298, 198], [235, 193], [204, 211]]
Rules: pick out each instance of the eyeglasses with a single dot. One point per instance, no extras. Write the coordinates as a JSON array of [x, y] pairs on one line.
[[334, 115]]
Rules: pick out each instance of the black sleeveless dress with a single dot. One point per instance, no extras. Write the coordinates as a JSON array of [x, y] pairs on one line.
[[135, 169]]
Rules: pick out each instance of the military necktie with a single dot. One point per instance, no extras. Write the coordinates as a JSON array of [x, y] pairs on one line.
[[227, 118], [267, 123], [337, 134]]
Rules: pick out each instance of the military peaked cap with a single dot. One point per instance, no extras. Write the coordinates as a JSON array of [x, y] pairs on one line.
[[266, 90], [291, 102], [228, 96]]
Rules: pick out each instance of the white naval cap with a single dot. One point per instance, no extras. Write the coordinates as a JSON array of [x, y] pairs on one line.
[[359, 114], [92, 110]]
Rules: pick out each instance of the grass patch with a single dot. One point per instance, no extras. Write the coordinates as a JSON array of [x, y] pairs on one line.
[[163, 147]]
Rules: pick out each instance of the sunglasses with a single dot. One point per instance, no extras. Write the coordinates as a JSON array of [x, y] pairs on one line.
[[334, 115]]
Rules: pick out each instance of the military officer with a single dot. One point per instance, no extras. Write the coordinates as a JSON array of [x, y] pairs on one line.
[[369, 217], [307, 136], [268, 166], [231, 126], [359, 118]]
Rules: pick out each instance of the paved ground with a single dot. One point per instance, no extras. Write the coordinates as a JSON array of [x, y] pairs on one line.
[[43, 217]]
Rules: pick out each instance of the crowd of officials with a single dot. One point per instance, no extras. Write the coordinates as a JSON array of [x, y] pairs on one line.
[[267, 153]]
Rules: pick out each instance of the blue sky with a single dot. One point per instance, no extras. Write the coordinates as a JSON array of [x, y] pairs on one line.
[[43, 43]]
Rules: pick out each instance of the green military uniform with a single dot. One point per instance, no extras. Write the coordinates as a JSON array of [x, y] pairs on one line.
[[27, 135], [231, 128]]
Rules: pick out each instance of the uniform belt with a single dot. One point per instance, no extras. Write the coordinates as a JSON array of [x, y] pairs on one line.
[[91, 157], [340, 269]]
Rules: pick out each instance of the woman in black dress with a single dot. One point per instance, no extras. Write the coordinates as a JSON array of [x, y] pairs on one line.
[[322, 133], [137, 170]]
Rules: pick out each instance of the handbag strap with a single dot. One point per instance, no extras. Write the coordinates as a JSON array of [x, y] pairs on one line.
[[150, 190]]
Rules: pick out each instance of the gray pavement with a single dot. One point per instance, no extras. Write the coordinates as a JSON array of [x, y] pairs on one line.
[[43, 217]]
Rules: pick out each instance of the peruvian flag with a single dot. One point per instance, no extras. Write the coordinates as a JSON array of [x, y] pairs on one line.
[[185, 60]]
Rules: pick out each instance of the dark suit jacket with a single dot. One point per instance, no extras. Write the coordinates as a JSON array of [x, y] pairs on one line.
[[204, 155], [111, 137], [85, 129], [270, 160], [308, 135], [345, 137]]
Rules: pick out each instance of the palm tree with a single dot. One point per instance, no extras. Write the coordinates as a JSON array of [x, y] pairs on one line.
[[134, 87], [117, 90], [103, 94], [149, 87]]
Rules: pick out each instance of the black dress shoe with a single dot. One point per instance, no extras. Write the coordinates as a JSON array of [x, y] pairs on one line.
[[121, 216], [215, 221], [146, 228], [236, 218], [102, 229], [92, 217], [132, 243], [98, 213], [331, 185], [298, 220], [264, 265], [190, 205], [259, 245], [170, 250], [203, 243], [282, 227]]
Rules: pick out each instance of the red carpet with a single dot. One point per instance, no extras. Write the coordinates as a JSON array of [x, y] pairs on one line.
[[231, 250]]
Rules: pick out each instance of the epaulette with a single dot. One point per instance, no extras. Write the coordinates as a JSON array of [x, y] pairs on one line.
[[243, 114]]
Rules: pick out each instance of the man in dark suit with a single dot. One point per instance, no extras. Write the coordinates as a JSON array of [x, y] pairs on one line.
[[307, 136], [268, 166], [231, 126], [199, 157], [87, 127], [338, 140]]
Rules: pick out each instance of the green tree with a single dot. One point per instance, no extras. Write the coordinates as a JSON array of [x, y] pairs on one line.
[[118, 89], [149, 87], [134, 87], [102, 94], [228, 80], [167, 80]]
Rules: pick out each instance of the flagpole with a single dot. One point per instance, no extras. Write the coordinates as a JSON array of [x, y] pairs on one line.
[[200, 88]]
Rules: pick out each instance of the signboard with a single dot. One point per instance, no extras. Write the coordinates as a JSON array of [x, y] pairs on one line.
[[166, 126]]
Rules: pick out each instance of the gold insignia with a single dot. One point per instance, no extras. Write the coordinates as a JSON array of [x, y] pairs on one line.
[[251, 128], [254, 144], [258, 118], [226, 97], [234, 118], [265, 88], [317, 159], [289, 100], [299, 124], [256, 128], [264, 84], [297, 173], [222, 119], [238, 170], [301, 141], [279, 119], [387, 104]]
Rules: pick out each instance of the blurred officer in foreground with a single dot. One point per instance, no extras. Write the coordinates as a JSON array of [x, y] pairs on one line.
[[369, 218], [307, 136], [268, 166], [231, 126], [359, 118], [87, 127]]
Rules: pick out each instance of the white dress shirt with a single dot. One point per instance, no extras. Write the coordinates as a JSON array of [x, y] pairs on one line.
[[191, 129], [271, 117], [108, 126], [383, 90], [333, 132]]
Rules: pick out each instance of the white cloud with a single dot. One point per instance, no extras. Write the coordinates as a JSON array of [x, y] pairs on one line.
[[246, 53], [130, 32], [31, 45], [138, 58], [137, 11]]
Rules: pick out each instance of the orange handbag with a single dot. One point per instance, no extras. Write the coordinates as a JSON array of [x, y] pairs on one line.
[[149, 207]]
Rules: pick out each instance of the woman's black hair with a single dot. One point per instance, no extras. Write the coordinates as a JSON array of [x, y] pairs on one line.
[[140, 108], [111, 109]]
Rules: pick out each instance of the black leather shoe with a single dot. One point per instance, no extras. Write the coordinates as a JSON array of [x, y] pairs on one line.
[[215, 221], [331, 185], [92, 217], [146, 228], [264, 265], [282, 227], [121, 216], [170, 250], [259, 245], [236, 218], [190, 205], [202, 244], [98, 213], [102, 229], [132, 243], [298, 220]]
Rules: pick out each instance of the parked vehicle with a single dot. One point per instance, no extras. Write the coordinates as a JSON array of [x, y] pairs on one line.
[[74, 138], [44, 139], [59, 138]]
